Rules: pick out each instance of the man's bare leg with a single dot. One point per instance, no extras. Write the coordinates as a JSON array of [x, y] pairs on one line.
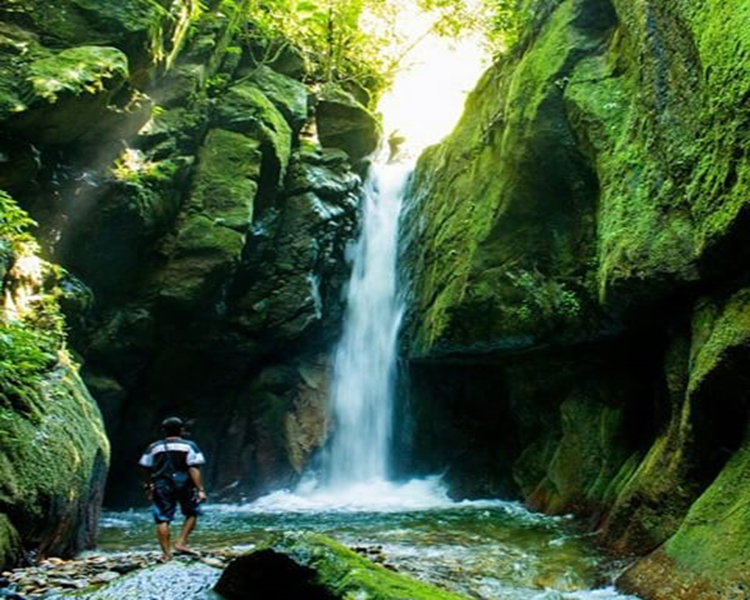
[[187, 528], [162, 534]]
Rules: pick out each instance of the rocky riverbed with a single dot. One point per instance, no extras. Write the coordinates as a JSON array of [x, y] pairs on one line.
[[183, 576], [53, 577]]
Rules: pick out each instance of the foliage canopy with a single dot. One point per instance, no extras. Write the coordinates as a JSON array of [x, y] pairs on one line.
[[338, 47]]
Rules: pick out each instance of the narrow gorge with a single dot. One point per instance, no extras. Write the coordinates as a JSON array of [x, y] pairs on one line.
[[511, 365]]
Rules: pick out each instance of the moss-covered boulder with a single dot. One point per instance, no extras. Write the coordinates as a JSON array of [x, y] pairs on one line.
[[345, 123], [204, 257], [247, 110], [287, 94], [709, 555], [54, 509], [225, 182], [47, 95], [146, 30], [10, 543], [313, 566], [54, 452]]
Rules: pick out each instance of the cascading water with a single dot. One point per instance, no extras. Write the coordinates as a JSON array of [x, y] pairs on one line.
[[365, 360]]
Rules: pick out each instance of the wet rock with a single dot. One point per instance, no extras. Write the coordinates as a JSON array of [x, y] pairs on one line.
[[344, 123], [204, 258]]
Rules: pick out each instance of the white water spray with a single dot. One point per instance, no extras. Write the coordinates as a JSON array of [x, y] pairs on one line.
[[365, 361]]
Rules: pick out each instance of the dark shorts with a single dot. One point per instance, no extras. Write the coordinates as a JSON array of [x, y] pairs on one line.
[[166, 498]]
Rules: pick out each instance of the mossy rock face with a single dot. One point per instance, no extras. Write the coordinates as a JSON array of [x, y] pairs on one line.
[[709, 555], [204, 257], [48, 95], [225, 182], [710, 549], [293, 293], [345, 123], [322, 569], [146, 30], [245, 109], [10, 543], [287, 94], [644, 189], [498, 257], [53, 466]]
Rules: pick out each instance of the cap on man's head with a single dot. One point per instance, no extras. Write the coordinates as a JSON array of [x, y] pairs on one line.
[[172, 426]]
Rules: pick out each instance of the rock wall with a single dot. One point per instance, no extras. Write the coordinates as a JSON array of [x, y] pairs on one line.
[[203, 228], [54, 453], [576, 259]]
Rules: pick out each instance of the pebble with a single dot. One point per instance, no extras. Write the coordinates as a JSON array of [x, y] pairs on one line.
[[55, 575]]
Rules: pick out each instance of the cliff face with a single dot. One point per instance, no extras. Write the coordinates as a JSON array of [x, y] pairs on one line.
[[54, 453], [575, 254], [203, 233]]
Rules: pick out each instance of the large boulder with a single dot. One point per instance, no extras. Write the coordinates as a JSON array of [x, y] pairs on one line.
[[345, 123], [247, 110], [147, 31], [45, 97], [316, 567], [44, 506], [287, 94]]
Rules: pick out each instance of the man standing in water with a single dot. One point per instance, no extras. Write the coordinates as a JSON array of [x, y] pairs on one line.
[[172, 468]]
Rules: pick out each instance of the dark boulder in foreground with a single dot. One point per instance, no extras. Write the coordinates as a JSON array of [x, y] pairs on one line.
[[314, 567]]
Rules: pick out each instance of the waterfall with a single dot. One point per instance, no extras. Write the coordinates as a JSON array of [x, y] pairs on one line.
[[362, 397]]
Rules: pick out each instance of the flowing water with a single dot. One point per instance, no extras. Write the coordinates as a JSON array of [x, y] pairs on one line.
[[489, 550], [364, 368]]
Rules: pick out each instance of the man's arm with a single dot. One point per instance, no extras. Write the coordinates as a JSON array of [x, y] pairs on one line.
[[147, 464], [148, 484], [195, 477]]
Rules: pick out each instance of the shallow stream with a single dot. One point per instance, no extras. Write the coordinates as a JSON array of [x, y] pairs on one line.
[[486, 550]]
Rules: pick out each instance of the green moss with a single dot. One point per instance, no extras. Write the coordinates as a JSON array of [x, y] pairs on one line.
[[147, 30], [719, 328], [246, 110], [10, 543], [287, 94], [203, 258], [82, 70], [350, 576], [48, 504], [488, 241], [590, 453], [713, 540], [225, 182]]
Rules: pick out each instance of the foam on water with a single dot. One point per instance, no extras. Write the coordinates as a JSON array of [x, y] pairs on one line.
[[372, 496], [608, 593]]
